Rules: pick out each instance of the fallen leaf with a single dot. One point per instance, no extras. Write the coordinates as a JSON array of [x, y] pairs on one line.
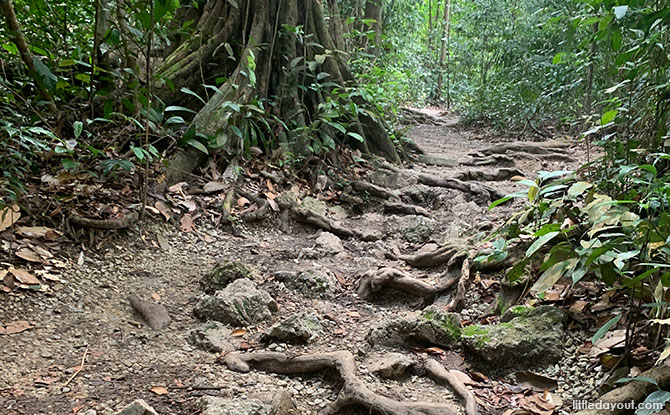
[[8, 216], [16, 327], [77, 408], [178, 383], [354, 314], [238, 333], [186, 223], [176, 187], [245, 346], [24, 277], [163, 209], [270, 195], [155, 296], [535, 382], [435, 351], [270, 186], [159, 390], [28, 254], [34, 231], [81, 259], [212, 187], [46, 380], [479, 376], [578, 306], [243, 201], [273, 205], [162, 242]]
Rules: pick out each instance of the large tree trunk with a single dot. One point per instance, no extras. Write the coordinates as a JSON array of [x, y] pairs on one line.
[[257, 47], [443, 50]]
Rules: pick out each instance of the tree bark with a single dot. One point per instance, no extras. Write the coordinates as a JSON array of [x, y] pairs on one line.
[[27, 57], [443, 49], [265, 60], [373, 11]]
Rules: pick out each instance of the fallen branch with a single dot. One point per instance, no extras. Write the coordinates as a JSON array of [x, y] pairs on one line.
[[79, 369], [390, 207], [634, 391], [439, 374], [105, 224], [354, 392], [156, 315], [305, 215], [373, 281]]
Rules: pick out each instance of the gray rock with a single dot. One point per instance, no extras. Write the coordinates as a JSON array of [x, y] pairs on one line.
[[392, 180], [138, 407], [535, 337], [280, 403], [240, 303], [432, 326], [312, 283], [390, 365], [298, 328], [213, 337], [223, 274], [329, 243], [417, 229]]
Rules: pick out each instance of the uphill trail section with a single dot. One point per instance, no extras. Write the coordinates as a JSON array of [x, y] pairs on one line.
[[352, 307]]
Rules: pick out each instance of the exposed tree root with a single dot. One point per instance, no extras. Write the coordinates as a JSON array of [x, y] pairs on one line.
[[263, 212], [480, 192], [104, 224], [411, 116], [633, 392], [458, 302], [437, 161], [439, 374], [545, 147], [374, 190], [405, 209], [493, 159], [373, 281], [156, 315], [353, 393], [489, 176], [305, 215], [432, 258]]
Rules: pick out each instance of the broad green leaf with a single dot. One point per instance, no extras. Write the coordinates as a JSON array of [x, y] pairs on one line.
[[138, 153], [608, 117], [191, 93], [533, 192], [578, 188], [605, 328], [172, 108], [356, 136], [638, 379], [78, 127], [197, 144], [540, 242], [654, 400], [558, 58], [552, 275]]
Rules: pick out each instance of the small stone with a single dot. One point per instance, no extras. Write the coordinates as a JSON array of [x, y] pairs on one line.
[[240, 303], [213, 337], [138, 407], [223, 274], [299, 328], [329, 243], [390, 365]]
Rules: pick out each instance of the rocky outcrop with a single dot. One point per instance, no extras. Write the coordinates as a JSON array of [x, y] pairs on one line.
[[530, 337], [240, 304], [433, 326], [298, 328], [222, 274]]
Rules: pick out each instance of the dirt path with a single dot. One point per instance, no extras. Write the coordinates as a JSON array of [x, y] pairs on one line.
[[89, 312]]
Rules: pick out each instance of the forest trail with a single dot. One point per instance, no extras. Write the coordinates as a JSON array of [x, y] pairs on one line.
[[88, 314]]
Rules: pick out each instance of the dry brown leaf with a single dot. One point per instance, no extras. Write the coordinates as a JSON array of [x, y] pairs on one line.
[[186, 223], [238, 333], [34, 231], [435, 351], [16, 327], [176, 187], [212, 187], [242, 202], [28, 254], [8, 216], [578, 306], [155, 296], [270, 186], [159, 390], [42, 252], [163, 209], [270, 195], [479, 376], [24, 277], [535, 382], [273, 205], [162, 242]]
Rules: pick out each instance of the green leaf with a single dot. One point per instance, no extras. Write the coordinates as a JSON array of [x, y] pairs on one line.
[[172, 108], [639, 379], [356, 136], [78, 127], [69, 164], [653, 402], [552, 275], [540, 242], [558, 58], [533, 192], [605, 328], [197, 144], [188, 91], [578, 188], [608, 117]]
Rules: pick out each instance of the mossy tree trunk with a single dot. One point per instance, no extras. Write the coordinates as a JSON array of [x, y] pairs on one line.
[[278, 54]]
